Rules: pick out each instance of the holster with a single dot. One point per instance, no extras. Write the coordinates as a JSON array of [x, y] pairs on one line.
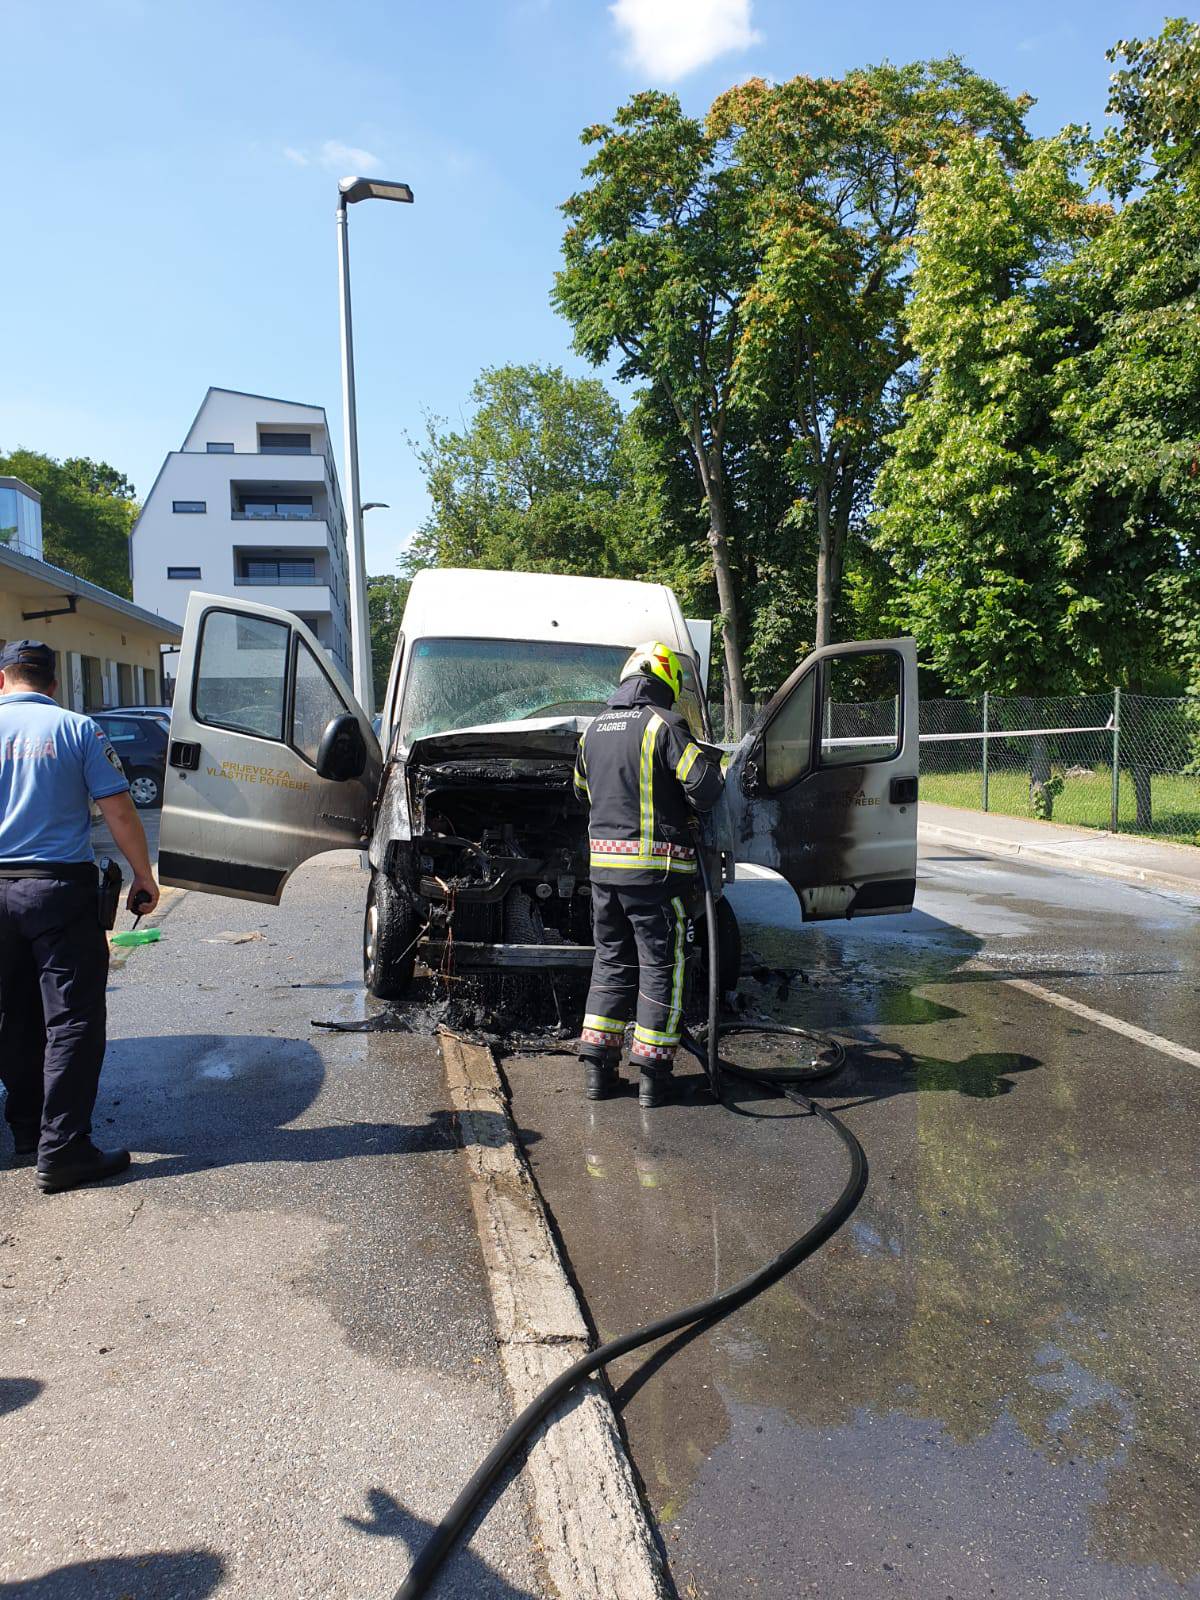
[[109, 893]]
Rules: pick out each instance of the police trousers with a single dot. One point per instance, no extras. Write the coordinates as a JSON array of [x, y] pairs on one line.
[[644, 938], [53, 973]]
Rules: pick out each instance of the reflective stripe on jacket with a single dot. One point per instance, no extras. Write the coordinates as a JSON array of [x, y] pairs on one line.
[[642, 775]]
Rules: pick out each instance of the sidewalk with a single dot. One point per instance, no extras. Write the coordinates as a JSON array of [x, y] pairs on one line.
[[262, 1364], [1114, 855]]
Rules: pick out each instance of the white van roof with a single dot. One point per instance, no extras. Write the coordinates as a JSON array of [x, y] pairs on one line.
[[467, 602]]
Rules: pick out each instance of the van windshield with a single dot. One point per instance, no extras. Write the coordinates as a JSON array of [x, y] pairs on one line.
[[468, 683]]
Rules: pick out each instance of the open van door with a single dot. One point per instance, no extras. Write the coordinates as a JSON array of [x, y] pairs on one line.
[[823, 789], [260, 713]]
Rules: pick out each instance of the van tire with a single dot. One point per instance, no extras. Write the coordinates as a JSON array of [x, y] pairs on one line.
[[390, 933]]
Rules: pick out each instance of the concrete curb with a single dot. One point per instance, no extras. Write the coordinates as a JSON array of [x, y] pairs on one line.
[[1058, 856], [596, 1539]]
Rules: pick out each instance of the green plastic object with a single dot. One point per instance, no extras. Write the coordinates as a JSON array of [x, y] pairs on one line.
[[138, 936]]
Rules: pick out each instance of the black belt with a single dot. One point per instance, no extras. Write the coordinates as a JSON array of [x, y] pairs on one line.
[[72, 871]]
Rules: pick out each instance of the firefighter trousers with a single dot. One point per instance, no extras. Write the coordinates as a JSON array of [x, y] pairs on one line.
[[643, 939]]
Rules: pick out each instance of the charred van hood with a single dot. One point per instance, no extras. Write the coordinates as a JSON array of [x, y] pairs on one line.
[[540, 736]]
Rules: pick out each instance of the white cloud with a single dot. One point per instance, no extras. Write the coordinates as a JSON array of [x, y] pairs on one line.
[[339, 157], [296, 157], [670, 38]]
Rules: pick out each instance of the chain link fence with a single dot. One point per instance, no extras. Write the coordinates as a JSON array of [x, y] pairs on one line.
[[1129, 763], [1125, 762]]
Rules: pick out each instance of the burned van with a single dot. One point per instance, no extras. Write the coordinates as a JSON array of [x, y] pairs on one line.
[[477, 844]]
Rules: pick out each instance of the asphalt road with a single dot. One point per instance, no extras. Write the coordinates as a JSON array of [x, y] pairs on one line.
[[261, 1364], [985, 1385]]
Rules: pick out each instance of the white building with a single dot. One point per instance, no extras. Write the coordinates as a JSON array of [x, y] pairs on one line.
[[250, 505]]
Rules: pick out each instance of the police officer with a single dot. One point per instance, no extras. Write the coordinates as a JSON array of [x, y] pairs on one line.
[[642, 776], [53, 951]]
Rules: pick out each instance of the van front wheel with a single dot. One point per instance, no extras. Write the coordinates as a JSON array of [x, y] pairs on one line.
[[390, 933]]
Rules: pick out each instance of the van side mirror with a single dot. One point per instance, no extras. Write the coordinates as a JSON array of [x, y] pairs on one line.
[[342, 752]]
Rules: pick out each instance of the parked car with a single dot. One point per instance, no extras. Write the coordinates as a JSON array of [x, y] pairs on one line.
[[160, 713], [477, 844], [141, 742]]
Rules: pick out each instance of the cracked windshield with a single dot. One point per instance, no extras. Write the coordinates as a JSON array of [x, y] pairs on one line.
[[469, 683]]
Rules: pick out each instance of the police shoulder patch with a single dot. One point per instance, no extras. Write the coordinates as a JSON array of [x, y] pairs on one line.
[[113, 759]]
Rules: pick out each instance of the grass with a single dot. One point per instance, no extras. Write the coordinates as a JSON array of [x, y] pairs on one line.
[[1085, 802]]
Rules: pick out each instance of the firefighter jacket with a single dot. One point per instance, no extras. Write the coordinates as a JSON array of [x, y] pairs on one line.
[[642, 775]]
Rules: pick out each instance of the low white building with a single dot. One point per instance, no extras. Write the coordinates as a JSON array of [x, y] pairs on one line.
[[249, 506]]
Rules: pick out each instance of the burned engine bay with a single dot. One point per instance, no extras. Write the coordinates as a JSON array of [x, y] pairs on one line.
[[500, 847]]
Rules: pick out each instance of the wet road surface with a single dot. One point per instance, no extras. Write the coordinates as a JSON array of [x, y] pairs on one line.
[[985, 1385]]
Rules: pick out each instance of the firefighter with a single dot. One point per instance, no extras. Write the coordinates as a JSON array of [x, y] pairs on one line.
[[642, 776]]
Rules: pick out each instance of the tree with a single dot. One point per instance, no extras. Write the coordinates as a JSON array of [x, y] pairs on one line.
[[88, 511], [970, 504], [656, 262], [386, 597], [833, 170], [546, 476], [991, 577], [752, 269], [1132, 411]]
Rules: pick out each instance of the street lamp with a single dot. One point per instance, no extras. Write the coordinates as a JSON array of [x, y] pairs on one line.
[[350, 191]]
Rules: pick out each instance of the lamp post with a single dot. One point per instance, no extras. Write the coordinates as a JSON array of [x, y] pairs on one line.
[[350, 191]]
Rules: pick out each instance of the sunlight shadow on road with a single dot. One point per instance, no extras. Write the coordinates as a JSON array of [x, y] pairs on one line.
[[390, 1520], [181, 1574]]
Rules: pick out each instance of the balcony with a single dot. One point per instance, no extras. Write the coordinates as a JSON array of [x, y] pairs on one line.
[[278, 516], [310, 598], [275, 583]]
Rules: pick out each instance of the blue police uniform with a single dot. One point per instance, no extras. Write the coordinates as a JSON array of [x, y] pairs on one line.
[[53, 951]]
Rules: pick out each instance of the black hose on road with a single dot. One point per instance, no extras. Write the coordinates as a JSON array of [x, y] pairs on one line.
[[457, 1519]]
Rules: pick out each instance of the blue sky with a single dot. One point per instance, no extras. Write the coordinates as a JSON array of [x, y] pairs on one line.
[[170, 178]]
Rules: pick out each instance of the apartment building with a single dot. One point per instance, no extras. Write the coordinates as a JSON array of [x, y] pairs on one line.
[[250, 507], [106, 649]]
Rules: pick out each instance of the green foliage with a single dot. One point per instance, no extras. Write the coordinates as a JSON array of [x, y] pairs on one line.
[[834, 170], [88, 510], [753, 269], [1155, 98], [1133, 412], [1042, 795], [1041, 507], [968, 506], [656, 259], [547, 476], [386, 597]]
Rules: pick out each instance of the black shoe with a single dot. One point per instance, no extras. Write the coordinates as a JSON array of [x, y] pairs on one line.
[[25, 1138], [84, 1164], [653, 1092], [602, 1080]]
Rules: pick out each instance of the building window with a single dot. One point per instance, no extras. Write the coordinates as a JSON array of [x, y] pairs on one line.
[[219, 447], [284, 569], [297, 444], [183, 572], [20, 518], [193, 506]]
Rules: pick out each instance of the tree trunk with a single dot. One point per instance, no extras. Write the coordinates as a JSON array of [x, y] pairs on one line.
[[735, 683], [1141, 791], [1041, 796], [826, 578]]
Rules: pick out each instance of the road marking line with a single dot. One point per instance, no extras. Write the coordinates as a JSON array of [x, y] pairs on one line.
[[1167, 1047]]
